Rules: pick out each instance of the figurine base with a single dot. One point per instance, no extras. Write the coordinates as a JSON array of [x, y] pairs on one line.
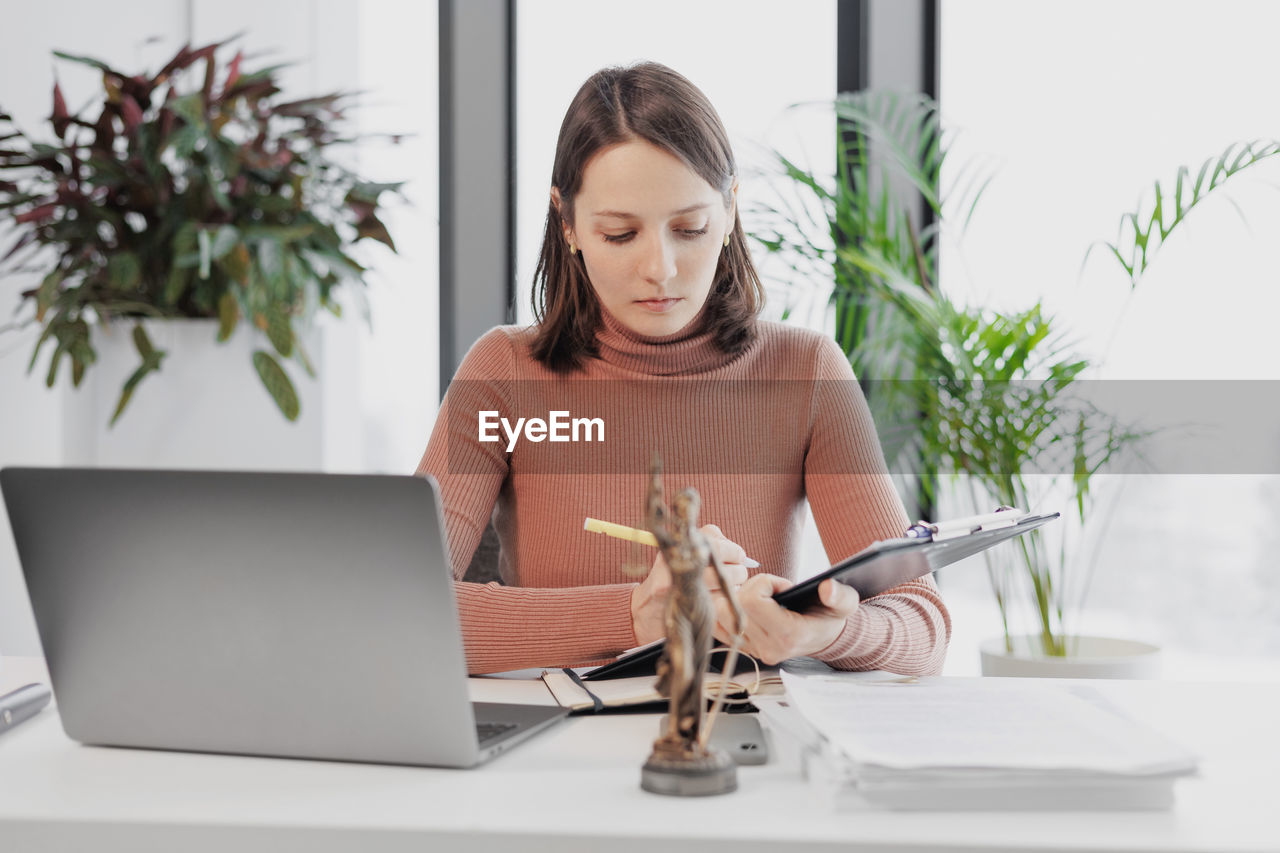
[[698, 776]]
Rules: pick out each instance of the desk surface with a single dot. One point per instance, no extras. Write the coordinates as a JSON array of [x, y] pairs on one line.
[[576, 787]]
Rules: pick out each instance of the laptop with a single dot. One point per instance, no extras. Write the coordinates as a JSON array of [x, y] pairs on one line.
[[290, 615]]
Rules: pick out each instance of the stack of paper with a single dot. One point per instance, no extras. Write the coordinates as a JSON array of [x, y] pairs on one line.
[[983, 744]]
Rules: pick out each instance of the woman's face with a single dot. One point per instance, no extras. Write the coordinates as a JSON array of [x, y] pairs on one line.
[[651, 232]]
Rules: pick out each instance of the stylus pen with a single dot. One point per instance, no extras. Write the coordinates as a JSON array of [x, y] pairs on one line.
[[22, 704], [630, 534]]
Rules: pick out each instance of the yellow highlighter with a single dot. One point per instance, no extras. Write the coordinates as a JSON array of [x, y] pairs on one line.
[[630, 534]]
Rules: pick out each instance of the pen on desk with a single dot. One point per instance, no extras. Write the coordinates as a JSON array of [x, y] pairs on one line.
[[22, 704], [630, 534]]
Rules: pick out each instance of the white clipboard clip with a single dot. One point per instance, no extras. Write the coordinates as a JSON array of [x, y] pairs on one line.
[[1005, 516]]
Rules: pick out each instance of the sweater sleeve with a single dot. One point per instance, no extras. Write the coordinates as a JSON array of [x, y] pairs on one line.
[[907, 628], [505, 627]]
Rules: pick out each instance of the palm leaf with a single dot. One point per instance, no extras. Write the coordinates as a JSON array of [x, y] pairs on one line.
[[1143, 232]]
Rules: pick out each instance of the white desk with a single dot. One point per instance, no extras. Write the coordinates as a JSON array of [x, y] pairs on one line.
[[576, 788]]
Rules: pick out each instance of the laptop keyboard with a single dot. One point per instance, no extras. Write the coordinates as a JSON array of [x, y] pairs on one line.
[[489, 731]]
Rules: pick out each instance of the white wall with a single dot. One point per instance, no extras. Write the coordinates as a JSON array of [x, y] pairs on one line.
[[383, 47]]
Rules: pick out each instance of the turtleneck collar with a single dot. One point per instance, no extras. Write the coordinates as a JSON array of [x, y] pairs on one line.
[[690, 350]]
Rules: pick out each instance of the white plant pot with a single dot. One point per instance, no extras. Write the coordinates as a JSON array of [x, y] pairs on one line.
[[1088, 657], [206, 408]]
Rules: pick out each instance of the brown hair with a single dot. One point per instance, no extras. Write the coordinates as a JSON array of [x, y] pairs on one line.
[[650, 102]]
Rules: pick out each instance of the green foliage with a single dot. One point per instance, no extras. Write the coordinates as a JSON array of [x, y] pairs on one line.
[[214, 199], [988, 398], [277, 383], [1143, 232]]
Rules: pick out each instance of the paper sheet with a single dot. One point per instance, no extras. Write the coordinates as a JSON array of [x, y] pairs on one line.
[[978, 723]]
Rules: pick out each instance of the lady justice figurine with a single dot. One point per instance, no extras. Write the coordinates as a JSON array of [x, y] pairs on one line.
[[681, 762]]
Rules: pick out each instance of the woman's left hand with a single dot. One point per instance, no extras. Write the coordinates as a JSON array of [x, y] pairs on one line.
[[774, 633]]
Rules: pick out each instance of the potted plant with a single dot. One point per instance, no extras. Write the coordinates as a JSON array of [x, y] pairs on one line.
[[195, 191], [987, 403]]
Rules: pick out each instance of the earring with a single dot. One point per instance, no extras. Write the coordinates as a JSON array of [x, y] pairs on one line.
[[573, 250], [726, 240]]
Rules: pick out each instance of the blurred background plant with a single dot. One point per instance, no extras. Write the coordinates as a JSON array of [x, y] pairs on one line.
[[988, 406], [208, 199]]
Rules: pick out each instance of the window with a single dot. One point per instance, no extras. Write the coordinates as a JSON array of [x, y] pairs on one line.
[[1084, 105]]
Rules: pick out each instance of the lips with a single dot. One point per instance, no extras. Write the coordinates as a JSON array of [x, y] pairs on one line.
[[658, 306]]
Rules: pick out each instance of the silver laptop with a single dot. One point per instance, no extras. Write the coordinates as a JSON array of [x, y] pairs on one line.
[[297, 615]]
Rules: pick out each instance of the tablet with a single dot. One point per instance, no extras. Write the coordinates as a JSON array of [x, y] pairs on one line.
[[873, 570]]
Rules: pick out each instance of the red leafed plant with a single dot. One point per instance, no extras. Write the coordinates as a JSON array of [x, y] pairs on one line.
[[214, 199]]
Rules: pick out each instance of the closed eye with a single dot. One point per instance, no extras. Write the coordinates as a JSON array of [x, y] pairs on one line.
[[687, 233]]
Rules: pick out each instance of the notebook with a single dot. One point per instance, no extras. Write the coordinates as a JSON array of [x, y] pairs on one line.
[[296, 615], [640, 692]]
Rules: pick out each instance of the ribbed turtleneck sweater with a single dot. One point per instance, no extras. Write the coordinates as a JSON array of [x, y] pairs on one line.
[[756, 433]]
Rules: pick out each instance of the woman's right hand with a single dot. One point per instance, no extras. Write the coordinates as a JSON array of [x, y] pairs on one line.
[[648, 600]]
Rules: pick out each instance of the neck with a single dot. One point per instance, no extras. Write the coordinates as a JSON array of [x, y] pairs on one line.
[[692, 349]]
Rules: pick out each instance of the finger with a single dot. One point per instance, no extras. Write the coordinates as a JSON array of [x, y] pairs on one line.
[[730, 552], [710, 579], [839, 597], [724, 618], [764, 585], [729, 612], [735, 574], [712, 530], [770, 627], [727, 625], [763, 613]]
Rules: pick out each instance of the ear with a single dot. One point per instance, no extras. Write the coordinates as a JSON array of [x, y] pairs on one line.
[[733, 206], [564, 226]]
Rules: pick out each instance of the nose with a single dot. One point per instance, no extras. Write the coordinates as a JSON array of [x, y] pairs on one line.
[[657, 263]]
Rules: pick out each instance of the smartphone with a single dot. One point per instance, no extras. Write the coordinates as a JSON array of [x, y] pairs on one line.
[[739, 735]]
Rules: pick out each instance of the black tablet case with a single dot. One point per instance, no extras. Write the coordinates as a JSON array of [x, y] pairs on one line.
[[876, 568]]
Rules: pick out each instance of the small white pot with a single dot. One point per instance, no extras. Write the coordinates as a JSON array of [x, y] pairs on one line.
[[1088, 657]]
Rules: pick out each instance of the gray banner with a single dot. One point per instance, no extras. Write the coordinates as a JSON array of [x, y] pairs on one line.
[[759, 427]]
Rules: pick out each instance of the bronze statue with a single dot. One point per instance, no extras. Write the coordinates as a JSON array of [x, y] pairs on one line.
[[681, 762]]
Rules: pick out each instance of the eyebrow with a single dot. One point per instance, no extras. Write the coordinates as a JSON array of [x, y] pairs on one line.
[[617, 214]]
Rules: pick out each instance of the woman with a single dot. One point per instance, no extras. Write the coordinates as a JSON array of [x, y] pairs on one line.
[[647, 305]]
